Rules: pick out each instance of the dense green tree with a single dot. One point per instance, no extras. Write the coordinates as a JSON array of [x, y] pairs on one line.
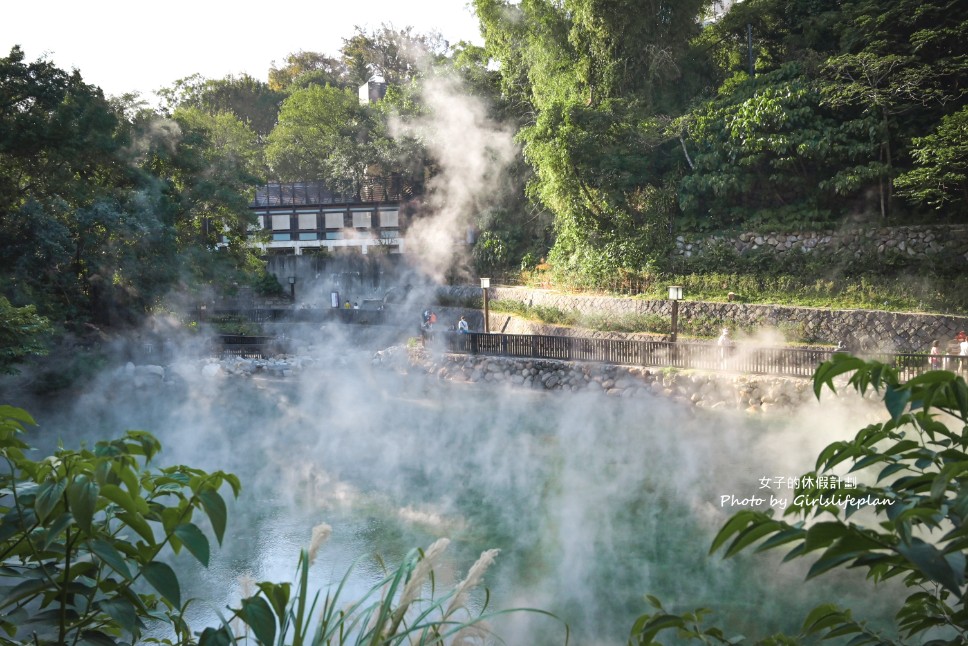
[[634, 114], [61, 147], [253, 102], [57, 136], [901, 61], [395, 55], [322, 134], [601, 81], [104, 205], [940, 176], [768, 151], [303, 68], [22, 334]]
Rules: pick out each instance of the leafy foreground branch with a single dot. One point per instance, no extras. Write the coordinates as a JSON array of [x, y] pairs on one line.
[[84, 536], [912, 472]]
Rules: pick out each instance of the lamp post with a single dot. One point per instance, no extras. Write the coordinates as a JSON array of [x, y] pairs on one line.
[[675, 295], [485, 285], [292, 287]]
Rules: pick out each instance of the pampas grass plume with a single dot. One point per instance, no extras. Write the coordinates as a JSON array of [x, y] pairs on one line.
[[420, 573], [473, 578], [321, 534]]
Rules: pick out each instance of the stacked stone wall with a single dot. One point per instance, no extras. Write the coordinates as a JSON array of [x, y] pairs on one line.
[[914, 241], [749, 393]]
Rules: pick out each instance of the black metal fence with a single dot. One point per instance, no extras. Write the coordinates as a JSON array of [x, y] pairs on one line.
[[792, 362]]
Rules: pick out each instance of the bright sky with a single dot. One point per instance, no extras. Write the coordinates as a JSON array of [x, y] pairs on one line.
[[127, 45]]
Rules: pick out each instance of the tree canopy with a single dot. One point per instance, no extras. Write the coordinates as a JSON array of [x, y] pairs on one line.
[[647, 119], [106, 205]]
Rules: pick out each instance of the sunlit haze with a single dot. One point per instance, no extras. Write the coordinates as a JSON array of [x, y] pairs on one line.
[[133, 47]]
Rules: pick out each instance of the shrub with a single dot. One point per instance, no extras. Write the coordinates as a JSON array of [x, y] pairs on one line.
[[913, 470], [83, 536]]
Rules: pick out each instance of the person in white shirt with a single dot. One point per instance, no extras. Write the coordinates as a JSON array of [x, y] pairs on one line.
[[963, 351]]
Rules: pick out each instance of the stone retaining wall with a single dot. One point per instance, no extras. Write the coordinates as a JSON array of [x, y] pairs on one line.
[[738, 392], [914, 241], [860, 329], [750, 393]]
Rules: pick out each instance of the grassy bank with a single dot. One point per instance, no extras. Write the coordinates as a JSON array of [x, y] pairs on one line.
[[908, 293]]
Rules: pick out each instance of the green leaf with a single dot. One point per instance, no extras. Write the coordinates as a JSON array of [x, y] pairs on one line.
[[931, 562], [891, 469], [752, 534], [162, 578], [781, 538], [896, 399], [19, 415], [932, 377], [823, 534], [195, 541], [657, 624], [122, 611], [82, 497], [278, 596], [258, 615], [48, 495], [819, 617], [825, 563], [216, 637], [961, 397], [120, 497], [111, 556], [56, 528], [23, 590], [96, 638], [215, 509], [735, 524], [829, 369], [138, 524]]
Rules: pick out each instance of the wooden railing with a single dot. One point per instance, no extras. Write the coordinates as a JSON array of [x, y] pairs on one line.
[[792, 362], [784, 361], [248, 346], [316, 315]]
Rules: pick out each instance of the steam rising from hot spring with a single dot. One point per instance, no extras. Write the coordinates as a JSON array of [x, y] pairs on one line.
[[472, 152]]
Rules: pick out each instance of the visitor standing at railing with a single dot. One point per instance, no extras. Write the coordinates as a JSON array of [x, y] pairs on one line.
[[963, 350], [724, 342], [935, 359]]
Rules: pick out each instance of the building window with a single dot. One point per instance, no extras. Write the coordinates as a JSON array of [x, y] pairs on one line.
[[282, 236], [334, 235], [388, 234], [305, 235], [307, 220], [362, 219], [334, 219], [389, 218], [280, 222]]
